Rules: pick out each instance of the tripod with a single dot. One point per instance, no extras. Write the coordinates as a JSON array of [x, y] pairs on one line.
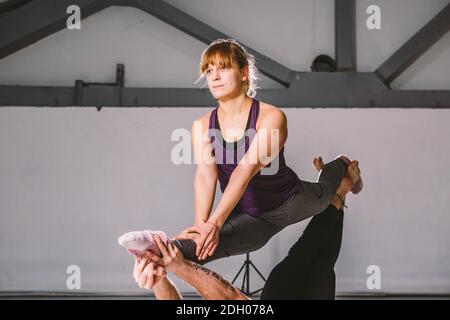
[[245, 288]]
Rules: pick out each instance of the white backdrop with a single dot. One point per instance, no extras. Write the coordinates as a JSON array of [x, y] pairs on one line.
[[74, 179]]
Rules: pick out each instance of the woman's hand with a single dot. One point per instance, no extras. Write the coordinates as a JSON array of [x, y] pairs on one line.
[[189, 233], [209, 240], [146, 273]]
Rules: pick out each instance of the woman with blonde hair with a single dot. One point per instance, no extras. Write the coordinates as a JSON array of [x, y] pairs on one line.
[[240, 144]]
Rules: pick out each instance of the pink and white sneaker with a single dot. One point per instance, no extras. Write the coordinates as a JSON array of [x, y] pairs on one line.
[[137, 242]]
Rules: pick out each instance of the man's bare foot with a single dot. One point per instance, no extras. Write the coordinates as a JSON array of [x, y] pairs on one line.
[[339, 199], [318, 163], [353, 171], [345, 186]]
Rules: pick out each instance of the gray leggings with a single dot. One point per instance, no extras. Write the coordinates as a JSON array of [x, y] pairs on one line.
[[242, 233]]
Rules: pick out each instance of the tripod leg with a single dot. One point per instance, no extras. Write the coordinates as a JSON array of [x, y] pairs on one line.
[[254, 292], [243, 279], [237, 275], [248, 275], [256, 269], [245, 287]]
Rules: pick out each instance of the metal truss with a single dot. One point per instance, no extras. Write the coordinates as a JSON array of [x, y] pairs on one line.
[[345, 88]]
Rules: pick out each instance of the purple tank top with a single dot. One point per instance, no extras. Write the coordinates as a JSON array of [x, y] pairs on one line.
[[265, 191]]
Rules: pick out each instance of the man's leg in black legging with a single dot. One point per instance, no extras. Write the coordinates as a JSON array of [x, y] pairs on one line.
[[317, 248], [288, 280], [321, 282]]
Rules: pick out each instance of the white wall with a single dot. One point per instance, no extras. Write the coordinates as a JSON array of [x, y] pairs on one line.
[[73, 179]]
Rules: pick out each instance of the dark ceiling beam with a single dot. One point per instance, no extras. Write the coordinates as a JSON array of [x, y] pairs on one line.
[[308, 90], [23, 26], [345, 35], [38, 19], [9, 5], [207, 34], [415, 47]]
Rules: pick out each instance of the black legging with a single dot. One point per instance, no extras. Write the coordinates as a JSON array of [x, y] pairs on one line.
[[308, 270], [242, 233]]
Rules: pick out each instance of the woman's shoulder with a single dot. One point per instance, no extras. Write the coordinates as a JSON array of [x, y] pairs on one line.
[[203, 121], [205, 117], [270, 112]]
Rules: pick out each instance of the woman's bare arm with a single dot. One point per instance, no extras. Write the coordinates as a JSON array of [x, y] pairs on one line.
[[205, 180], [263, 149]]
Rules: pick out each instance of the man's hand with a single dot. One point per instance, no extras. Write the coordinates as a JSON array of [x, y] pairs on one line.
[[171, 258], [209, 240], [146, 273]]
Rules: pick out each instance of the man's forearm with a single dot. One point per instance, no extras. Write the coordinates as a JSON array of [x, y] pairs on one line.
[[209, 284], [166, 290]]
